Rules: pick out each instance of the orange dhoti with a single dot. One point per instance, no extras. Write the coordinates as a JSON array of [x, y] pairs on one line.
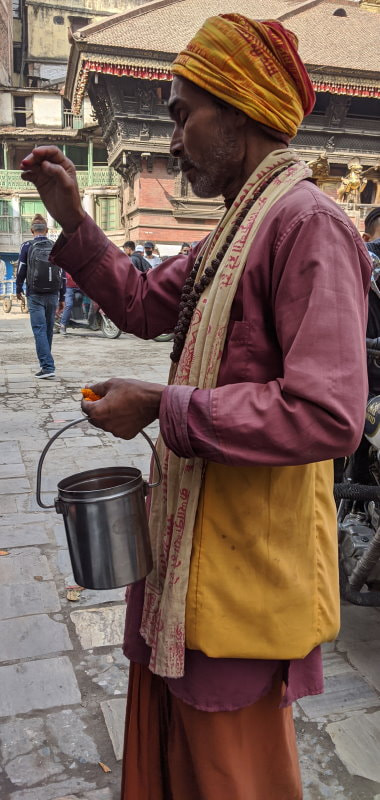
[[175, 752]]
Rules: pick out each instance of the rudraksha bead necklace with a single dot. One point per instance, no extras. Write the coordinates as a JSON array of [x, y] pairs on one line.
[[192, 291]]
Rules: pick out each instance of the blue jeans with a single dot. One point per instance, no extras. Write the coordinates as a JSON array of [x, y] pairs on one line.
[[42, 308], [69, 302]]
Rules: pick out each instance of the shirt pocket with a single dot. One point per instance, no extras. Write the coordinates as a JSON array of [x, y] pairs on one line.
[[251, 354]]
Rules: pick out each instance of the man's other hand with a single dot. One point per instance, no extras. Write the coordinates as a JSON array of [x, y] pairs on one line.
[[20, 296], [125, 407], [61, 306], [54, 177]]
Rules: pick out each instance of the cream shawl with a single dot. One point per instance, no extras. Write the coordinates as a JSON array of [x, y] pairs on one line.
[[175, 501]]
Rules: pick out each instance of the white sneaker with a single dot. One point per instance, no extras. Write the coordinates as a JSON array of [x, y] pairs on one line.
[[63, 330], [45, 373]]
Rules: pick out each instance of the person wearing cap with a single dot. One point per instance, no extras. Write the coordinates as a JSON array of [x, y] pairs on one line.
[[225, 632], [136, 254], [154, 260]]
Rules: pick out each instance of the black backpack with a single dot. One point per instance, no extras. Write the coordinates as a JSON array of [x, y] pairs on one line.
[[42, 277]]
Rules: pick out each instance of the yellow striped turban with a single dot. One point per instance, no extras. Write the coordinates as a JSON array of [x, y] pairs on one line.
[[251, 65]]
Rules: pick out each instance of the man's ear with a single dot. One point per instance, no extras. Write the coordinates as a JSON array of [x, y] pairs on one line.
[[366, 237]]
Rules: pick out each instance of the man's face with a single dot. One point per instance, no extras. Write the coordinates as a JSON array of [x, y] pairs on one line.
[[128, 250], [206, 139], [185, 251], [149, 251]]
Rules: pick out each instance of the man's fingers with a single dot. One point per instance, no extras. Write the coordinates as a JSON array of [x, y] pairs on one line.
[[100, 389], [40, 154]]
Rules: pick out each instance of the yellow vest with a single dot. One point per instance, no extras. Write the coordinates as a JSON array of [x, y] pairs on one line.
[[264, 566]]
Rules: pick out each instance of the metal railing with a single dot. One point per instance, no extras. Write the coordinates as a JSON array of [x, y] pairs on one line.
[[98, 176], [7, 224], [74, 121]]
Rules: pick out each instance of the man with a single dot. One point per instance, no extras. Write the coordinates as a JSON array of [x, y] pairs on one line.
[[71, 288], [153, 260], [224, 633], [45, 291], [372, 225], [371, 236], [129, 248], [136, 254], [185, 249]]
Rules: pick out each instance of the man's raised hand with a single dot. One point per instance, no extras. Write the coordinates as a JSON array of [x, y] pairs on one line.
[[54, 177]]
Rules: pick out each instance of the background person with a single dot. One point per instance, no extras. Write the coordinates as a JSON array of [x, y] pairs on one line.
[[185, 249], [154, 260], [45, 290], [71, 288]]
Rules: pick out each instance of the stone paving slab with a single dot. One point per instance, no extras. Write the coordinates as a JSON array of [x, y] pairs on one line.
[[23, 535], [91, 597], [22, 519], [14, 485], [365, 657], [99, 627], [8, 504], [37, 597], [10, 453], [114, 716], [24, 565], [27, 637], [12, 471], [357, 744], [49, 792], [343, 693], [33, 685]]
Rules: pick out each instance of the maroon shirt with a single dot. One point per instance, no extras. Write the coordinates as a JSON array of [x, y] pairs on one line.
[[292, 385]]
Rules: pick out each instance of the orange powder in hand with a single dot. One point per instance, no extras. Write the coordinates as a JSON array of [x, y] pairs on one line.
[[88, 394]]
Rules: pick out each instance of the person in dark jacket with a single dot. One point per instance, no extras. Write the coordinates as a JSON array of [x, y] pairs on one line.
[[136, 254], [42, 307]]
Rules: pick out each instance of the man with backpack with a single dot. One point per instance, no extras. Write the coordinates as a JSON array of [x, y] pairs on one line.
[[136, 255], [45, 289]]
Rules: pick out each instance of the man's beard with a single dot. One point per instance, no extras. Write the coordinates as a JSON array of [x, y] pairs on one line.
[[212, 182]]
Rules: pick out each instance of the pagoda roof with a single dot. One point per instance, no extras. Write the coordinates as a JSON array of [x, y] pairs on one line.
[[336, 38]]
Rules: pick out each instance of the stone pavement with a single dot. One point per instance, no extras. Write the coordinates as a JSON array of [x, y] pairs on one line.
[[63, 676]]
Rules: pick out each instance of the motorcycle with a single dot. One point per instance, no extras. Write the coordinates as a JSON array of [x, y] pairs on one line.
[[358, 495], [87, 315]]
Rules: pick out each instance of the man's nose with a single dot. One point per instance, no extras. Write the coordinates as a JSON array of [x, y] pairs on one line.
[[176, 144]]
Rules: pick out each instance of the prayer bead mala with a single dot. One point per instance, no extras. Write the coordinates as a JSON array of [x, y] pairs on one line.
[[192, 291]]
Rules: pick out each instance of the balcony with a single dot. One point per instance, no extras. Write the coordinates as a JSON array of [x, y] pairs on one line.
[[99, 176], [74, 121]]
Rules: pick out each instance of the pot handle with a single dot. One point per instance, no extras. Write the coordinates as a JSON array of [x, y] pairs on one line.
[[42, 459], [157, 460], [70, 425]]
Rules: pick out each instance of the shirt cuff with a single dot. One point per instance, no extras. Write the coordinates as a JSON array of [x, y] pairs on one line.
[[174, 407]]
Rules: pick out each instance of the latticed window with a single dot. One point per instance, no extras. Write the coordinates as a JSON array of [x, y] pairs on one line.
[[6, 217], [108, 213], [28, 209]]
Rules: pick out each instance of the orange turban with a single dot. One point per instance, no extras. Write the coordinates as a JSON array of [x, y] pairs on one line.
[[251, 65]]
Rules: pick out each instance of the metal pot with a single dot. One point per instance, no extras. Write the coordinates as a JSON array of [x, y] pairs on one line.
[[105, 521]]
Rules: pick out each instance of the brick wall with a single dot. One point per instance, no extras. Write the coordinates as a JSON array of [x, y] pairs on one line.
[[150, 215]]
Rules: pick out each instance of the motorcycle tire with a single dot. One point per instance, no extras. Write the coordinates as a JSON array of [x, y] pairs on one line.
[[109, 329], [7, 304]]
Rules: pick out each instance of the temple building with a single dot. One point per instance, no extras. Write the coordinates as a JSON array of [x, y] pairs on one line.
[[123, 64]]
